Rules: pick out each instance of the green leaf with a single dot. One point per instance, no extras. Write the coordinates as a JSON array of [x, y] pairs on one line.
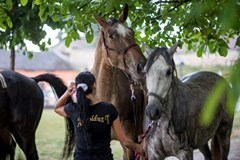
[[68, 40], [30, 54], [238, 42], [42, 10], [223, 51], [24, 2], [9, 22], [9, 4], [89, 37], [200, 50], [37, 2], [80, 26], [209, 109], [212, 46], [49, 42], [55, 18], [3, 26]]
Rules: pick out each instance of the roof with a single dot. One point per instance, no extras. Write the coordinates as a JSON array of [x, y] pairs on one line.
[[41, 61], [80, 54]]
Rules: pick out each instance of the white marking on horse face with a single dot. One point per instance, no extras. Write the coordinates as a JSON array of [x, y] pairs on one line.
[[122, 30], [157, 81]]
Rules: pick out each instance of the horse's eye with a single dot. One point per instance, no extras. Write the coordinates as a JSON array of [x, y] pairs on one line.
[[168, 72], [111, 36]]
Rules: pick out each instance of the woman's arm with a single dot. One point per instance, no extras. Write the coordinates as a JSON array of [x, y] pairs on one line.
[[124, 140], [59, 106]]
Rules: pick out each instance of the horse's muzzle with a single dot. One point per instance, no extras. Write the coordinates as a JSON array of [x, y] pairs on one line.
[[153, 111]]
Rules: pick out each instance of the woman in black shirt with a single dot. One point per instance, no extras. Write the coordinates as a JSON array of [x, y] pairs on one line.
[[92, 120]]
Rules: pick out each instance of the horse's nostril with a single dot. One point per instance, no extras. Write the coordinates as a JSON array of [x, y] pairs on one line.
[[153, 114], [157, 114]]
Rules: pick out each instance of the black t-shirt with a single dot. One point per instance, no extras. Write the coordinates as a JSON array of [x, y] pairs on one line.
[[102, 116]]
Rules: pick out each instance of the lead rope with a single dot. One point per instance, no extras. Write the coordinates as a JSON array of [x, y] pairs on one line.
[[137, 155], [133, 99]]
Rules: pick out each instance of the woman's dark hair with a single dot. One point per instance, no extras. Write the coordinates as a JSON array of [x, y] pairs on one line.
[[86, 78]]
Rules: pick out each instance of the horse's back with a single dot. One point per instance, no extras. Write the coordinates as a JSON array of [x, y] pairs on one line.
[[200, 85], [206, 77], [24, 98]]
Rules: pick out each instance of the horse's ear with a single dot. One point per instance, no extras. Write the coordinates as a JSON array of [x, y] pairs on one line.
[[124, 14], [173, 49], [102, 22], [147, 50]]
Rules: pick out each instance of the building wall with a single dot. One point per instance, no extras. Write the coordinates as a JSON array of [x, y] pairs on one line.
[[49, 97]]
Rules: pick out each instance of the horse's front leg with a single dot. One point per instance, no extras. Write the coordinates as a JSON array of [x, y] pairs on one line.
[[185, 154]]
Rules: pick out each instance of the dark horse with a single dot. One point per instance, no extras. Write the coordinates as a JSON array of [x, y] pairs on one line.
[[7, 145], [175, 105], [21, 105]]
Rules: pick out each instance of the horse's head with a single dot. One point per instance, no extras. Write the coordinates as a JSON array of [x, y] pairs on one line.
[[159, 75], [120, 48]]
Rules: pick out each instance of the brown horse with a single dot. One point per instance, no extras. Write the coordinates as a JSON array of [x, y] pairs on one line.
[[119, 60]]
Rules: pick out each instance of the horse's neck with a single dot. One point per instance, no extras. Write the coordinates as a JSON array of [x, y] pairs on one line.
[[177, 102], [104, 73]]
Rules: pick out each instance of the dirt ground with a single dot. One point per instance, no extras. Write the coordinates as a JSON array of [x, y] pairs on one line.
[[233, 155]]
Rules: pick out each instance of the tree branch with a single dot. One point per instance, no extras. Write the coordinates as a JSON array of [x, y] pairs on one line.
[[182, 2], [84, 5], [162, 2]]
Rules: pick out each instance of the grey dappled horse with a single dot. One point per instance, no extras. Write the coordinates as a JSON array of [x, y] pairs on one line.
[[175, 104]]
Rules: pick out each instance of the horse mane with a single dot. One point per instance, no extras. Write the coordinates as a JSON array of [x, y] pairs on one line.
[[156, 53], [98, 55], [179, 111]]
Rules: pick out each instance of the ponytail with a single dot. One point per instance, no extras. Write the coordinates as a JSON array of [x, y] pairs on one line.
[[83, 106], [84, 81]]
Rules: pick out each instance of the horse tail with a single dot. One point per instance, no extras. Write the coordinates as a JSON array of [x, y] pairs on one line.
[[59, 87], [215, 148]]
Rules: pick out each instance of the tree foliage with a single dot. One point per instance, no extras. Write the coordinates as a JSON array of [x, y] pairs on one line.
[[21, 20], [199, 24]]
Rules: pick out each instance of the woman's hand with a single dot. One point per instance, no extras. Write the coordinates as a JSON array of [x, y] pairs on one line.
[[124, 140], [139, 149], [59, 106], [71, 88]]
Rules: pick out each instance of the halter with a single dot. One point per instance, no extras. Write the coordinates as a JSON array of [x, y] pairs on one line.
[[113, 49], [162, 100]]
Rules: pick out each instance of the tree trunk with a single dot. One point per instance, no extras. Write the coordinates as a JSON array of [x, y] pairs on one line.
[[12, 59]]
